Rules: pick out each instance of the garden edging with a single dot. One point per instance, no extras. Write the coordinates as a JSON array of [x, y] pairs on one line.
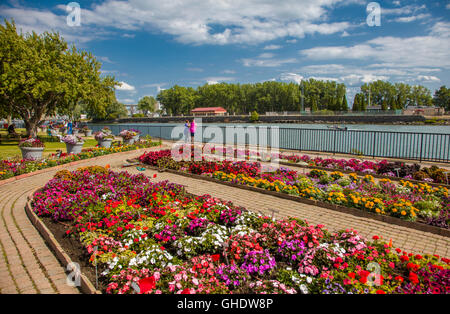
[[339, 208], [85, 285]]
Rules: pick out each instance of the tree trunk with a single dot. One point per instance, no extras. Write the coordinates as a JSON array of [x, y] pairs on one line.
[[31, 127]]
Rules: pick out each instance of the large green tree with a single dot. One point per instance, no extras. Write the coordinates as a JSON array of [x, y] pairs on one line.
[[442, 98], [41, 76], [147, 104]]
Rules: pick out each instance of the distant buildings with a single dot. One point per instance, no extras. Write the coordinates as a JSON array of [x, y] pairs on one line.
[[208, 111]]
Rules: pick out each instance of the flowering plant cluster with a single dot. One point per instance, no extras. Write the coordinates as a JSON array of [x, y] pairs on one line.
[[72, 139], [11, 168], [382, 168], [31, 142], [405, 200], [127, 225], [129, 134], [102, 135]]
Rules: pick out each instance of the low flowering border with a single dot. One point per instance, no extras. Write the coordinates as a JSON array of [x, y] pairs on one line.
[[280, 192], [11, 171], [361, 167]]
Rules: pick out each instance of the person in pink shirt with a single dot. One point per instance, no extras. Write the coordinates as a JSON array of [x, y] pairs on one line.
[[192, 128]]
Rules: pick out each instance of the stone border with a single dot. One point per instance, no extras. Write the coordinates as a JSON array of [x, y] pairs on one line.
[[86, 286], [343, 209], [76, 162]]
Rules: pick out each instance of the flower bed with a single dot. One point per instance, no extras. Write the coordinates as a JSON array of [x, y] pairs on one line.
[[407, 201], [155, 238], [12, 168], [385, 168]]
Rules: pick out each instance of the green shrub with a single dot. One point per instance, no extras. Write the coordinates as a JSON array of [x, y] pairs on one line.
[[254, 117]]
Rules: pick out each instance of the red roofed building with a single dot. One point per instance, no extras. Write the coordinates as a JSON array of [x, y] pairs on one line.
[[208, 111]]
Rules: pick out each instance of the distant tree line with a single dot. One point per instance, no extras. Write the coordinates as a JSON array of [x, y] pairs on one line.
[[388, 96], [260, 97], [316, 95]]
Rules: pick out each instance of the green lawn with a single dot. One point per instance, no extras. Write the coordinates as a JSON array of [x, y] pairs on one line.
[[11, 150]]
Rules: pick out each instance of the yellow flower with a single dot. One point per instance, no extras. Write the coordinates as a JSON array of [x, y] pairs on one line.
[[403, 213]]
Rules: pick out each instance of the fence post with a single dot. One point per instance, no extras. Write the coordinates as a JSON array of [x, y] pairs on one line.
[[334, 143], [373, 146], [421, 147]]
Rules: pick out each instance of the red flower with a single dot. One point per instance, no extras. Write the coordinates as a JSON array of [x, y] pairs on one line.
[[413, 278], [375, 237], [186, 291], [215, 257], [352, 275], [380, 292], [154, 176], [147, 284]]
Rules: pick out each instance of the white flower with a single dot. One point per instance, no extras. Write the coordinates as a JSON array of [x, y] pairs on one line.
[[304, 289]]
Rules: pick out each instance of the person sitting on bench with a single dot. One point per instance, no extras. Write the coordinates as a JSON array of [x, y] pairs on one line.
[[12, 130]]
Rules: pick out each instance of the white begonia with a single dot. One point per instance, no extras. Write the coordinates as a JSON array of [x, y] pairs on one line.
[[304, 289]]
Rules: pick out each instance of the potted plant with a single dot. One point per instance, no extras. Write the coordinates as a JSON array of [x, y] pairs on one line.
[[87, 131], [103, 139], [74, 143], [129, 136], [31, 148]]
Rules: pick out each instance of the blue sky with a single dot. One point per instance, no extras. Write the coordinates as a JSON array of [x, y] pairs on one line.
[[151, 45]]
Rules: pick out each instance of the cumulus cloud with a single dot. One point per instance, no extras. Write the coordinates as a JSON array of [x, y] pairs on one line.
[[291, 77], [426, 51], [200, 22], [125, 87]]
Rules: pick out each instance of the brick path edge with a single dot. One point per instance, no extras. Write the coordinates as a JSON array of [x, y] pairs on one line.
[[86, 286]]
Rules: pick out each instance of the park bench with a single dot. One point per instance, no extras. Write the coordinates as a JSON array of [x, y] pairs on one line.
[[10, 138]]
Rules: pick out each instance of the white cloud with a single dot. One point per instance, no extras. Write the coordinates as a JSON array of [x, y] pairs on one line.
[[217, 79], [199, 22], [408, 19], [228, 72], [105, 59], [266, 60], [194, 69], [127, 101], [125, 87], [421, 51], [297, 78], [272, 47], [428, 78]]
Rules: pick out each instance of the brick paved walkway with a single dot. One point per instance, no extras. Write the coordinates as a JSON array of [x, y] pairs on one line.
[[28, 266]]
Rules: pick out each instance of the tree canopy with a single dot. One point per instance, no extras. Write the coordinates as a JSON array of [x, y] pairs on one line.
[[41, 76], [147, 104]]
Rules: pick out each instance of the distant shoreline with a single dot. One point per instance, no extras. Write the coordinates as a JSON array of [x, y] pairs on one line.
[[310, 119]]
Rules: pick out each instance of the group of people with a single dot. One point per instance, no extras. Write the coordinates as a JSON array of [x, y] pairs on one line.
[[189, 130]]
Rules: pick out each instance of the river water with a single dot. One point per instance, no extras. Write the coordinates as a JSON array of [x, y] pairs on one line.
[[415, 142]]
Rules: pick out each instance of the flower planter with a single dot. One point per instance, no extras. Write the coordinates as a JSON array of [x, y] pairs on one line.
[[105, 143], [129, 141], [88, 133], [74, 148], [32, 153]]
